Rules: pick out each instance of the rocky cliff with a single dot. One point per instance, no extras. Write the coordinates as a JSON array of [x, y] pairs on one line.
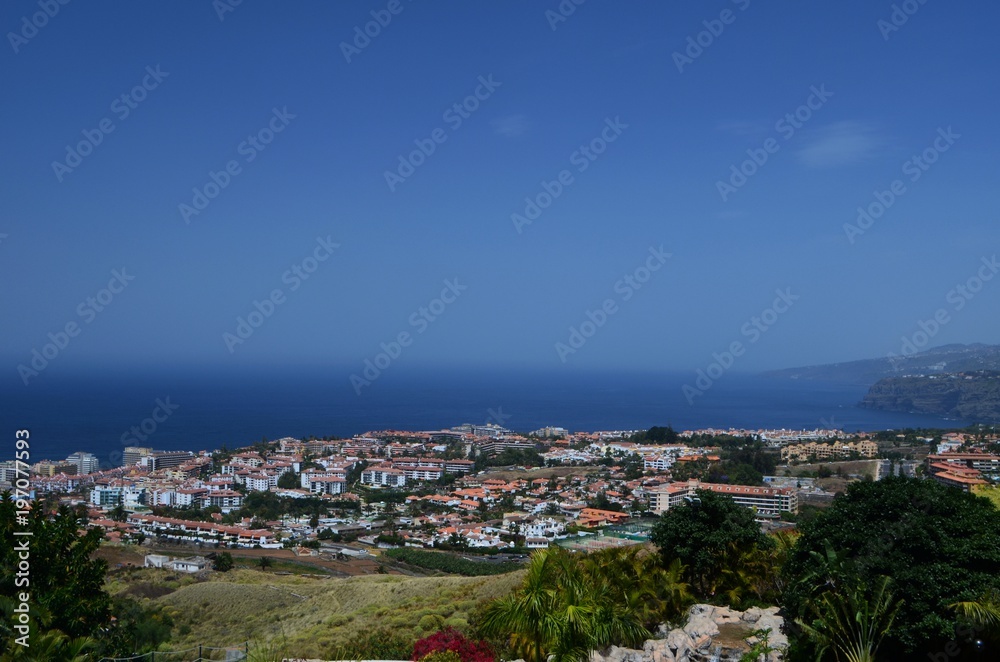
[[939, 360], [968, 396]]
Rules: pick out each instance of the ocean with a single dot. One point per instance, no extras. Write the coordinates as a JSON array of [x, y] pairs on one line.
[[204, 409]]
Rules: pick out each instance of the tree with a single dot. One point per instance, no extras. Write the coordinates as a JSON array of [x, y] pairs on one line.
[[289, 480], [563, 611], [264, 562], [72, 617], [66, 581], [602, 502], [939, 544], [118, 513], [656, 435], [223, 562], [708, 534]]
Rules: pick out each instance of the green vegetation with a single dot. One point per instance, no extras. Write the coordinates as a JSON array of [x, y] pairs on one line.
[[509, 457], [450, 563], [656, 435], [940, 545], [713, 537], [851, 621], [71, 615], [289, 481], [371, 617], [742, 462], [223, 562], [569, 605]]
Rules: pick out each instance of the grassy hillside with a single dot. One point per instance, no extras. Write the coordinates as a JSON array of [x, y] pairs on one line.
[[311, 616]]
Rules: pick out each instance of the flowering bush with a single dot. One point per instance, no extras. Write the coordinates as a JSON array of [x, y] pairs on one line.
[[450, 639]]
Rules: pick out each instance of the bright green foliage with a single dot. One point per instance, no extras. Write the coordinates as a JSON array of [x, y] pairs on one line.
[[939, 544], [712, 536], [571, 604]]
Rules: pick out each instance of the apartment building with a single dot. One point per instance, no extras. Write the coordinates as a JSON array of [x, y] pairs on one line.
[[383, 476], [767, 501], [798, 452], [132, 454], [325, 484]]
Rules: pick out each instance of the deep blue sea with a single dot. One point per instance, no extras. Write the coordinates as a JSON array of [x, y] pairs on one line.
[[93, 411]]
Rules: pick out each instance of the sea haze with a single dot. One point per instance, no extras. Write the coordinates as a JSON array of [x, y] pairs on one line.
[[90, 411]]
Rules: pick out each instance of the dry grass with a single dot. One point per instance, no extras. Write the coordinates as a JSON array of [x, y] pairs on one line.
[[311, 616]]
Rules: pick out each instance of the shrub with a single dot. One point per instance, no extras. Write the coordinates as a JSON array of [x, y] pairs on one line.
[[430, 622], [377, 644], [450, 639]]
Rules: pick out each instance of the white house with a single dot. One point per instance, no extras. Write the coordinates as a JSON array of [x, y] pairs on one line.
[[189, 564], [156, 560]]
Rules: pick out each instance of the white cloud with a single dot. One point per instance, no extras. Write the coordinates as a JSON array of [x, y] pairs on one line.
[[842, 143]]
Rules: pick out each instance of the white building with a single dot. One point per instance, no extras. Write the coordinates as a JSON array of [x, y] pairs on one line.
[[383, 476], [326, 485], [85, 463]]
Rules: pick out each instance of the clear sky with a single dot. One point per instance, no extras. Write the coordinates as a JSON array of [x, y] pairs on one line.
[[309, 117]]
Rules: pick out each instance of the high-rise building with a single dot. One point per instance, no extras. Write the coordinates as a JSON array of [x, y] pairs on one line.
[[85, 462], [133, 454], [165, 459]]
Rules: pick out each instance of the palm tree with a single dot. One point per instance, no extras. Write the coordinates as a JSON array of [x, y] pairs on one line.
[[654, 593], [569, 605], [984, 612], [850, 623], [527, 616], [264, 562]]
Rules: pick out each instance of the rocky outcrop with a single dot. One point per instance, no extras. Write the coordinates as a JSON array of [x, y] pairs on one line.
[[711, 634], [969, 396]]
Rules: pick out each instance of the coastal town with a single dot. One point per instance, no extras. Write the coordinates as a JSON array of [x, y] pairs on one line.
[[480, 489]]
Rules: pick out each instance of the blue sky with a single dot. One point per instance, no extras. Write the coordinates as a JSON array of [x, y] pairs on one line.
[[609, 70]]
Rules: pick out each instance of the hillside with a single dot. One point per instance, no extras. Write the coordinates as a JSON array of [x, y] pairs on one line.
[[307, 616], [969, 396], [938, 360]]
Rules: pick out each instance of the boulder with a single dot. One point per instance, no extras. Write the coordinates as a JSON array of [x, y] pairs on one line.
[[679, 643], [702, 642], [701, 625], [726, 615]]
